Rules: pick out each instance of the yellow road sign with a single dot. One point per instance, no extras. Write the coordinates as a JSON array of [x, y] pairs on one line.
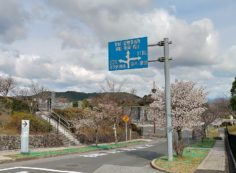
[[125, 118]]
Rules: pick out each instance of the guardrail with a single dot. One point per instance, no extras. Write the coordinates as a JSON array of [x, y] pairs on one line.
[[58, 118], [60, 121], [231, 159]]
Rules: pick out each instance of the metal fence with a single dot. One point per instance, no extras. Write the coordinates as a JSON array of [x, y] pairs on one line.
[[230, 142]]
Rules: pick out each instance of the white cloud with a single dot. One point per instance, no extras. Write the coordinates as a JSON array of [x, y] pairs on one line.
[[194, 43], [74, 74], [12, 21], [67, 48], [33, 67], [192, 73], [77, 38], [7, 61], [227, 61]]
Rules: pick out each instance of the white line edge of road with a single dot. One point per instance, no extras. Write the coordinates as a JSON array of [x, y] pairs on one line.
[[40, 169]]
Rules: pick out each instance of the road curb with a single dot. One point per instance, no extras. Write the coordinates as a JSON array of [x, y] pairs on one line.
[[9, 159], [153, 165], [6, 159]]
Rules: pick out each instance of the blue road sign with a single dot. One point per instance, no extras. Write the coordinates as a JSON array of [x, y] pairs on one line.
[[128, 54]]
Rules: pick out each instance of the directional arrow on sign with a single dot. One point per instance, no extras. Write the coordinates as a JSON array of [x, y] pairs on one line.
[[128, 59], [25, 123]]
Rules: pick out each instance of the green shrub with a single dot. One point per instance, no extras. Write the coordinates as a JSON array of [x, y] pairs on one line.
[[18, 105], [75, 104], [13, 104], [7, 102], [37, 125]]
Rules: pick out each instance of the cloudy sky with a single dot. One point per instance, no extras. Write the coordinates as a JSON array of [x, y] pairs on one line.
[[62, 44]]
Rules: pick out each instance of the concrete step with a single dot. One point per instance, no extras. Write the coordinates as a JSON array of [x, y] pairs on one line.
[[62, 130]]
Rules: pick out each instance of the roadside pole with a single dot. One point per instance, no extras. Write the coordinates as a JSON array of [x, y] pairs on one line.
[[120, 59], [130, 134], [115, 133], [165, 59], [168, 100], [126, 119], [126, 131]]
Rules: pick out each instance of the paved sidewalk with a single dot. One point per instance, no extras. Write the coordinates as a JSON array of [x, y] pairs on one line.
[[215, 160]]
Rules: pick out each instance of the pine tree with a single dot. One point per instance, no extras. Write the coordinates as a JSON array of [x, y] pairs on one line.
[[233, 95]]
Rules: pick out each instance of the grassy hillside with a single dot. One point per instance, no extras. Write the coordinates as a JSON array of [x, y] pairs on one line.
[[75, 96], [122, 98], [12, 111]]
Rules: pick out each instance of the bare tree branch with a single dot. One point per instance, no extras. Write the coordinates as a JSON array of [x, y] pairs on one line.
[[110, 85], [6, 85]]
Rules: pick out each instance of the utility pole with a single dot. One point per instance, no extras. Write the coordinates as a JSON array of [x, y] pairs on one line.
[[165, 59], [168, 99]]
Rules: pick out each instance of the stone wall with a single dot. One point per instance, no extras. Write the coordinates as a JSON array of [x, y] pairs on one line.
[[143, 114], [36, 141]]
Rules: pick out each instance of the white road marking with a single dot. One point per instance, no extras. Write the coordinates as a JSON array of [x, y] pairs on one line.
[[141, 147], [40, 169], [128, 149], [7, 169], [114, 152], [121, 150], [147, 145], [94, 155]]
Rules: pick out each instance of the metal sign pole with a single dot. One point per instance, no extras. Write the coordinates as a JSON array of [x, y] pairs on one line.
[[138, 46], [168, 100], [130, 134], [126, 132], [165, 59]]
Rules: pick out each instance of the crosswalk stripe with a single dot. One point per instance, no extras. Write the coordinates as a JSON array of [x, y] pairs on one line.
[[94, 155], [128, 149]]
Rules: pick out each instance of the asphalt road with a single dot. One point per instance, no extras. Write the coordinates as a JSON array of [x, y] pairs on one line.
[[132, 159]]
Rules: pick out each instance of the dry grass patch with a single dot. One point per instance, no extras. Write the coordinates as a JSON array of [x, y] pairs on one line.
[[212, 133], [232, 129]]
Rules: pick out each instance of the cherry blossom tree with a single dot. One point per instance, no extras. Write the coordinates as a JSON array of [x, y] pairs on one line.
[[208, 117], [188, 102], [103, 112], [94, 119], [220, 108]]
